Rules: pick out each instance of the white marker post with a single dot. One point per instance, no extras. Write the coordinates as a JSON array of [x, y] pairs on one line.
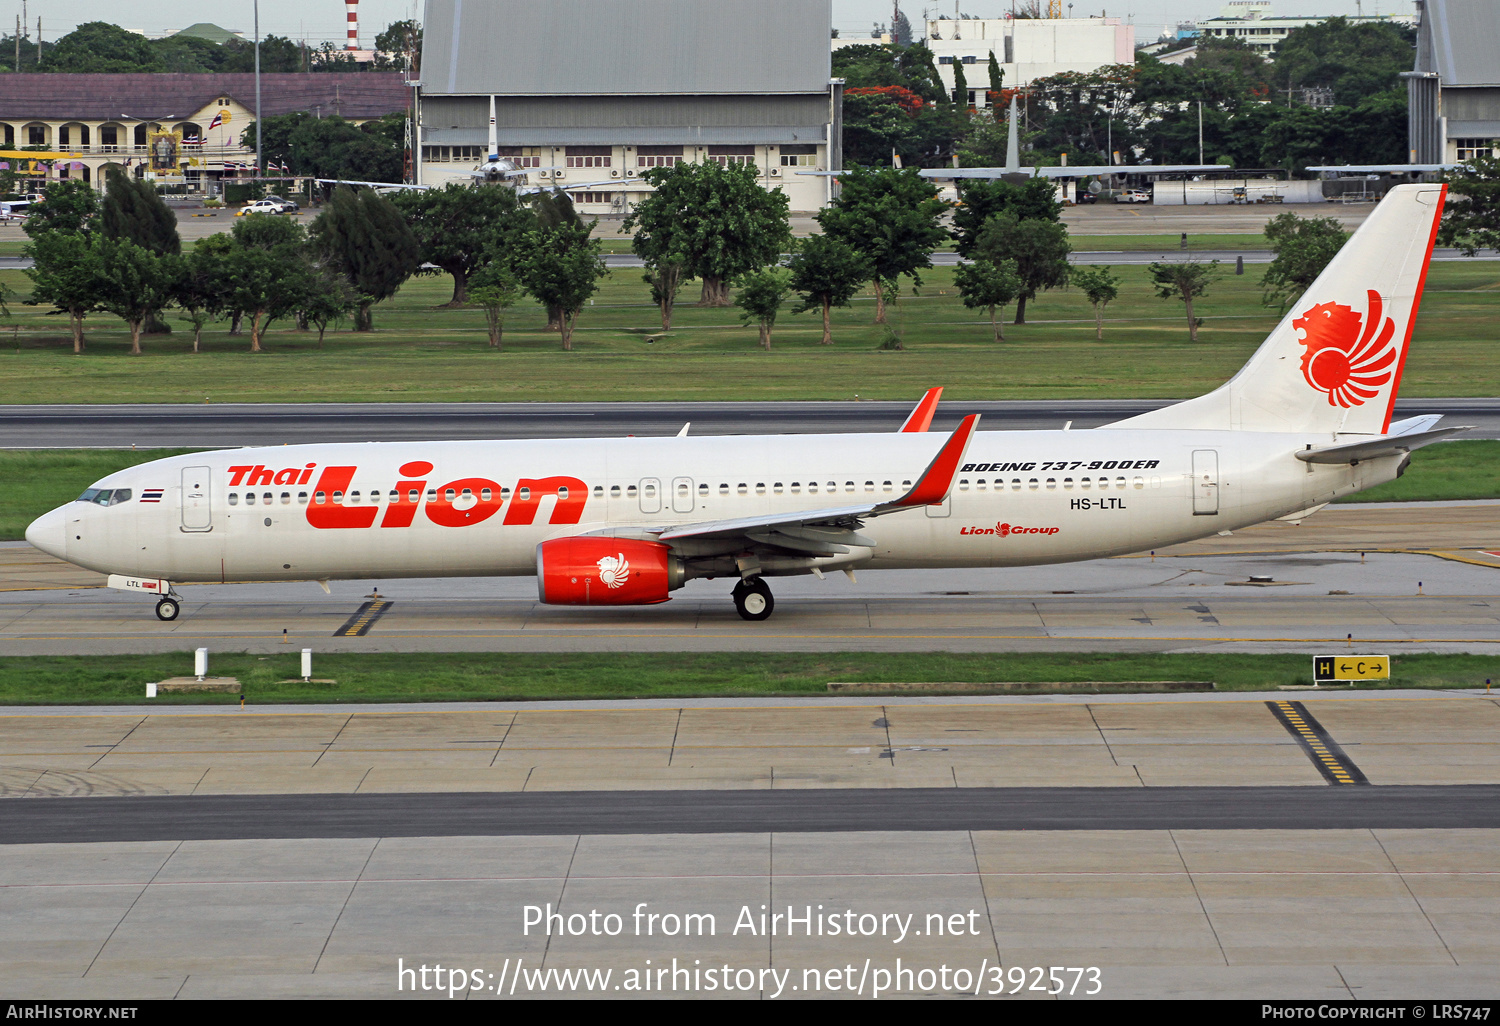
[[200, 663], [307, 664]]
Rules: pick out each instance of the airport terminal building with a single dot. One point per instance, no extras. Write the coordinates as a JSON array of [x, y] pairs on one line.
[[595, 92]]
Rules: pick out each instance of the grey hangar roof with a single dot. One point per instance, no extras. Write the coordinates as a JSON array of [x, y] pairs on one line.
[[625, 47]]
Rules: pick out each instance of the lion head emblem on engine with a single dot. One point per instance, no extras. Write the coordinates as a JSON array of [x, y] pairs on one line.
[[1348, 364], [614, 571]]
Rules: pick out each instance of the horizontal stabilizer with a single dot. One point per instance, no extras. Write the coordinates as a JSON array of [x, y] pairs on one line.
[[1374, 448]]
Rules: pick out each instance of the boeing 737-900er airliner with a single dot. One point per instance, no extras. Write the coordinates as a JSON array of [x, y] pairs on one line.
[[626, 521]]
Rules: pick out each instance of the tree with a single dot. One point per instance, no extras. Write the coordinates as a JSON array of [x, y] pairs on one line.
[[665, 279], [201, 290], [398, 46], [266, 273], [133, 210], [1303, 247], [277, 54], [1039, 248], [997, 78], [460, 228], [1184, 281], [1035, 199], [97, 47], [135, 283], [960, 85], [761, 293], [1355, 60], [362, 236], [70, 207], [827, 273], [330, 147], [554, 209], [716, 219], [983, 284], [1473, 222], [560, 266], [494, 287], [890, 216], [66, 272], [1102, 288], [328, 300]]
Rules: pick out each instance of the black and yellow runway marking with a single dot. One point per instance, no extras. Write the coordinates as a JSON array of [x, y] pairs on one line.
[[363, 619], [1325, 753]]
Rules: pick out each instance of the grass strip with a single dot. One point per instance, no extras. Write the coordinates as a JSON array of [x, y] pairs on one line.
[[450, 677], [423, 350]]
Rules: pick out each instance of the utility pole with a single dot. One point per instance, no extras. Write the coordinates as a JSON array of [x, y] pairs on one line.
[[260, 128], [1200, 131]]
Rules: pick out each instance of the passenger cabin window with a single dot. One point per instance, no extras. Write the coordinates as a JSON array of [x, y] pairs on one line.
[[598, 493], [760, 488], [234, 498], [614, 491]]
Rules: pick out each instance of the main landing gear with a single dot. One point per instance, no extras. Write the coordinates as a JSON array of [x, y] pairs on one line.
[[168, 607], [752, 599]]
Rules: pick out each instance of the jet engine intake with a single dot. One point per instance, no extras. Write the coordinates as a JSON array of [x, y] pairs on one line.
[[590, 571]]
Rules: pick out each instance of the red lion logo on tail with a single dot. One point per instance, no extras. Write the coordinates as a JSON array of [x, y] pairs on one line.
[[1347, 364]]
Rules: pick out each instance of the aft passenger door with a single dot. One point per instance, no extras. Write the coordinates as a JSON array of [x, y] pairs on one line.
[[1205, 482]]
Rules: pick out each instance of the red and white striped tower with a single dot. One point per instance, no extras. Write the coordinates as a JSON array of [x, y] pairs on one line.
[[351, 9]]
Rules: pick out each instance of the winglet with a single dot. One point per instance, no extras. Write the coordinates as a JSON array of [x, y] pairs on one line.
[[921, 417], [936, 481]]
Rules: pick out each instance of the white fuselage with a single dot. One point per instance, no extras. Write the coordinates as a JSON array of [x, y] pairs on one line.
[[1021, 497]]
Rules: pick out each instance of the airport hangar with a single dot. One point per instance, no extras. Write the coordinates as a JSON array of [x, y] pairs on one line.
[[598, 91]]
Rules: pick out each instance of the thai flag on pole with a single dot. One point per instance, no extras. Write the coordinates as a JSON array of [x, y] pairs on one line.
[[216, 122], [151, 495]]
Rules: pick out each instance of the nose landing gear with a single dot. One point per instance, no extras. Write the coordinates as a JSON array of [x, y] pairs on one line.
[[168, 608], [752, 599]]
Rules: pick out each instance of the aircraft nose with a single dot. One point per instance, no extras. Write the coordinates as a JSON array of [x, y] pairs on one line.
[[49, 532]]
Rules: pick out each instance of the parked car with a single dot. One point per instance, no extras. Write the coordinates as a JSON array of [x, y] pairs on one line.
[[1133, 196], [261, 206], [287, 206]]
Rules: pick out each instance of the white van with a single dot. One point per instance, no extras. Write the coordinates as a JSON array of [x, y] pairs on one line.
[[13, 210]]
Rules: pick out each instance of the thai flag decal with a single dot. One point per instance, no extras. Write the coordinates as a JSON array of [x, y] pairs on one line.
[[151, 495]]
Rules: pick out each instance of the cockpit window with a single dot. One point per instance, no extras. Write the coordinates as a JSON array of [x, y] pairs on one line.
[[105, 496]]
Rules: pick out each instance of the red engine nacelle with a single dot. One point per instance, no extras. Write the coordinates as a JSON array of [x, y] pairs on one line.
[[605, 572]]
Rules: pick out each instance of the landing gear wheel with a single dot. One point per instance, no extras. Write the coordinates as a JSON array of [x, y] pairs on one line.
[[167, 609], [752, 599]]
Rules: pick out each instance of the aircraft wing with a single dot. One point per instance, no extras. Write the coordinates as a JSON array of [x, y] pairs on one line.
[[1388, 168], [828, 531], [373, 185], [1073, 171]]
